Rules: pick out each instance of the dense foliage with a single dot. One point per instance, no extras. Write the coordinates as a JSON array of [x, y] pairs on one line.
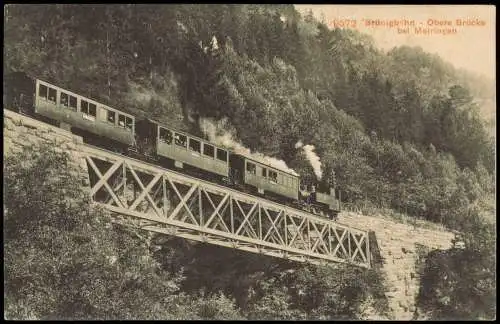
[[460, 283], [400, 130]]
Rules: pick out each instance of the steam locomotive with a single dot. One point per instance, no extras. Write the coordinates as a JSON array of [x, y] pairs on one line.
[[146, 139]]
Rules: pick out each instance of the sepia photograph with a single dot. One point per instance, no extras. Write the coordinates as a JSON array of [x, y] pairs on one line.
[[292, 162]]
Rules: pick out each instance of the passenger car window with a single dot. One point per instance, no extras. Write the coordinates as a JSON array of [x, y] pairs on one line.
[[52, 95], [64, 99], [42, 91], [273, 176], [85, 107], [72, 102], [194, 145], [67, 101], [222, 155], [264, 172], [124, 121], [129, 122], [208, 150], [165, 136], [89, 110], [121, 120], [180, 140], [111, 117], [251, 168], [92, 110]]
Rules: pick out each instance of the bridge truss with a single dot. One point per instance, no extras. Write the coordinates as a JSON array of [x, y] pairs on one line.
[[165, 201]]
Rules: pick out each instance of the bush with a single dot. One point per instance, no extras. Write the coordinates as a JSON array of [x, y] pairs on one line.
[[460, 283]]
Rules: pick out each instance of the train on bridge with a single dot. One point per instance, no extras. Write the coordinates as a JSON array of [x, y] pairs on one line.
[[146, 139]]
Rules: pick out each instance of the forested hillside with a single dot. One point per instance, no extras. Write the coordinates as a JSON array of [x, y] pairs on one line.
[[400, 130]]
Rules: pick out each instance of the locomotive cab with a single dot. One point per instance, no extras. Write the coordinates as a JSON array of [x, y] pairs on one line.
[[320, 198]]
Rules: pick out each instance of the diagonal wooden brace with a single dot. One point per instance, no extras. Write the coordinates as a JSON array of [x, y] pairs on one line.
[[216, 209], [103, 180], [246, 218], [273, 225], [320, 238], [183, 201], [340, 243], [298, 231], [358, 248]]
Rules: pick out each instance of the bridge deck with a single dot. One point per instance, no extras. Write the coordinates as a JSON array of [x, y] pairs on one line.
[[169, 202]]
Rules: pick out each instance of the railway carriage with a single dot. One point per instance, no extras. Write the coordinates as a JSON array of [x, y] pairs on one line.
[[265, 178], [183, 148], [70, 110]]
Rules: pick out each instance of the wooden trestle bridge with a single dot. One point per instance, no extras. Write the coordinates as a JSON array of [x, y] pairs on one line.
[[168, 202]]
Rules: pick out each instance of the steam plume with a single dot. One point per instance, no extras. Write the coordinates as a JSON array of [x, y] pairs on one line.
[[218, 135], [299, 144], [312, 157]]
